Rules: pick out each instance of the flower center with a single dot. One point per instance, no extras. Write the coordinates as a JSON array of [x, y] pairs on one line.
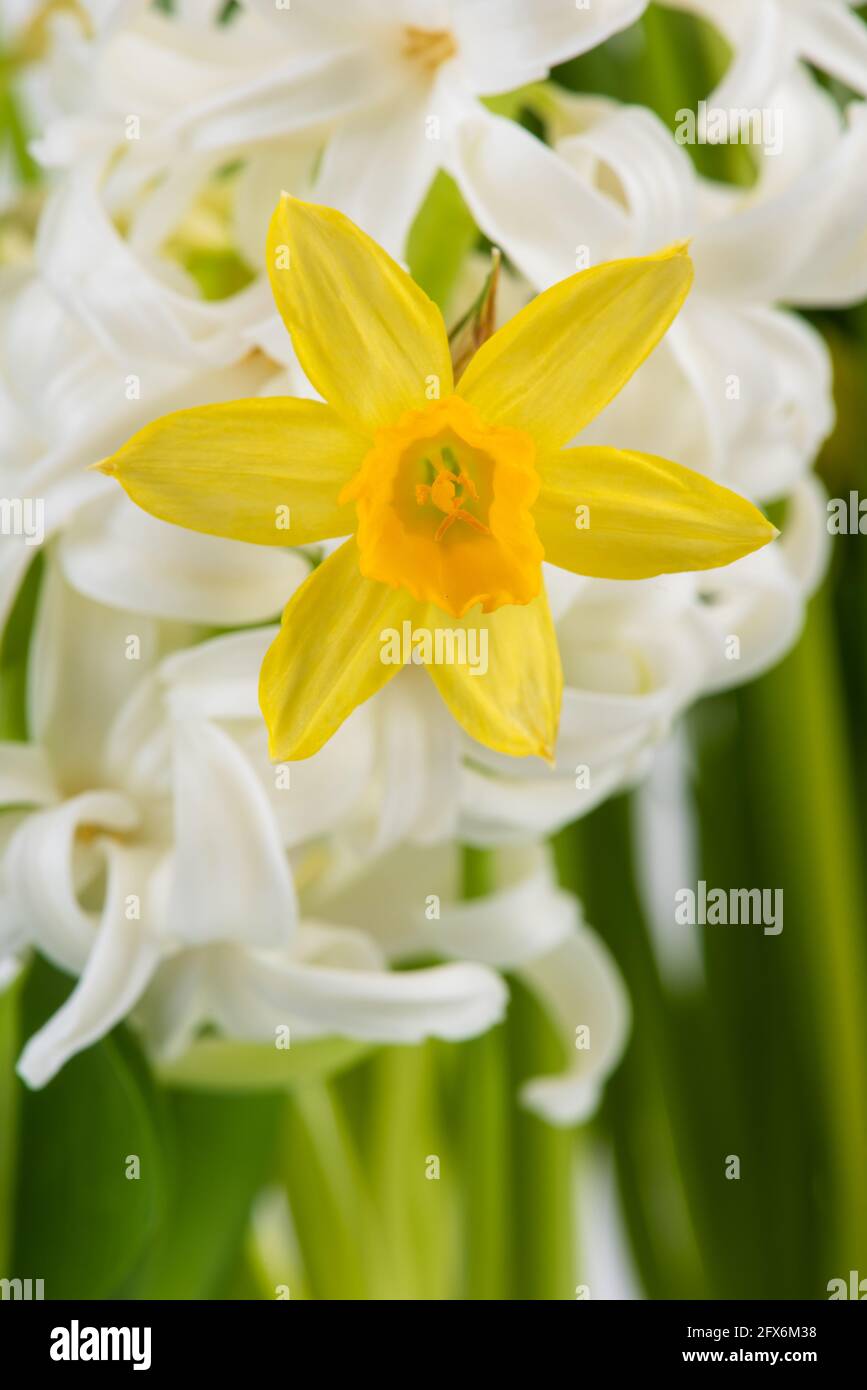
[[449, 489], [443, 502], [428, 48]]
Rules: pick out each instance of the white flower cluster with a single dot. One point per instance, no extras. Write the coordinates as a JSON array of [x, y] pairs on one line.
[[148, 846]]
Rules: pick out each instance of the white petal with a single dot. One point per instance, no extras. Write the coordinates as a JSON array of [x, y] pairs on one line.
[[417, 762], [495, 162], [764, 47], [505, 43], [580, 985], [378, 167], [499, 810], [525, 915], [80, 675], [46, 866], [341, 948], [127, 308], [292, 95], [805, 544], [175, 1004], [82, 402], [666, 850], [317, 795], [110, 14], [118, 555], [26, 778], [835, 41], [218, 680], [137, 749], [230, 880], [255, 992], [515, 923], [266, 173], [764, 382], [761, 599], [630, 152], [123, 958], [768, 249]]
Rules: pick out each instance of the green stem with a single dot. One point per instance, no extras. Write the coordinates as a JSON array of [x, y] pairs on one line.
[[797, 720], [485, 1166], [645, 1111], [485, 1137], [331, 1203], [543, 1166], [411, 1168], [9, 1100]]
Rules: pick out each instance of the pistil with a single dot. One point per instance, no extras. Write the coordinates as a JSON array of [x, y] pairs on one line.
[[443, 493]]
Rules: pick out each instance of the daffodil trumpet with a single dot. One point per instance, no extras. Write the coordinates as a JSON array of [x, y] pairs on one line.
[[451, 494]]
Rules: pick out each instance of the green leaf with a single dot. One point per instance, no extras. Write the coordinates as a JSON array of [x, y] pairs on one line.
[[9, 1099], [218, 1064], [220, 1151], [14, 648], [339, 1232], [81, 1223], [542, 1163], [218, 273], [441, 236]]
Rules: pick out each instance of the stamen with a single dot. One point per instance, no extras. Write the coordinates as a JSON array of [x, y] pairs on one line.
[[460, 515], [466, 482], [428, 48], [443, 493]]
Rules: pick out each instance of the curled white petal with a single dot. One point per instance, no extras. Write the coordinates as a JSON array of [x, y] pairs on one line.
[[123, 957], [581, 987]]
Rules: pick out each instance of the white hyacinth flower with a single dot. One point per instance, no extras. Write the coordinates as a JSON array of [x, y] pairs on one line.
[[767, 37], [154, 852], [381, 82]]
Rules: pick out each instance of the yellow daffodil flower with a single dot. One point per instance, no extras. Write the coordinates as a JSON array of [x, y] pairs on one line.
[[452, 494]]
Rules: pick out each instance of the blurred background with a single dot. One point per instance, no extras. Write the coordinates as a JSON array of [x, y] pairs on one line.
[[754, 1047]]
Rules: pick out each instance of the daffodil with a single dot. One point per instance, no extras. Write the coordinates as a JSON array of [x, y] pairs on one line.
[[452, 494]]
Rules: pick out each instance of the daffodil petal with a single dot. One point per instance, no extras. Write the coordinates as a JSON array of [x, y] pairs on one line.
[[327, 657], [367, 336], [553, 367], [267, 470], [614, 514], [511, 701]]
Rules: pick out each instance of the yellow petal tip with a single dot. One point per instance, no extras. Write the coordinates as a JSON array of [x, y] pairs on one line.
[[677, 248], [106, 466]]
